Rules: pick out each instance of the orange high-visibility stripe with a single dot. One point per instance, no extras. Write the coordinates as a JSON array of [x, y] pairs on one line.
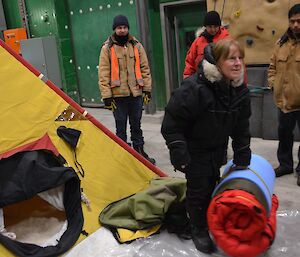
[[138, 73], [115, 76]]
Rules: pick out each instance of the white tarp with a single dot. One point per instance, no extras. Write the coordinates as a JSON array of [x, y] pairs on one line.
[[102, 243]]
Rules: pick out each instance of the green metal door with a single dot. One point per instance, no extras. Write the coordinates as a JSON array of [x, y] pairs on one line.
[[187, 19], [181, 20], [91, 23]]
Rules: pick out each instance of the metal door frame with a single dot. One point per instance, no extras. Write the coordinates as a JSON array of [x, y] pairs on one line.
[[2, 21], [143, 28], [165, 28]]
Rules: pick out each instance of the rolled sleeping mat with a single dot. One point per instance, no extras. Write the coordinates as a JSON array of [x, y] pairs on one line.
[[242, 213], [239, 224], [258, 179]]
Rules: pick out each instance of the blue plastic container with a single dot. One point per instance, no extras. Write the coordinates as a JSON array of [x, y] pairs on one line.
[[260, 172]]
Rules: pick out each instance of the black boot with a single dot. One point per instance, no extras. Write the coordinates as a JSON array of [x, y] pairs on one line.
[[198, 198], [279, 172], [202, 240], [177, 221], [140, 150]]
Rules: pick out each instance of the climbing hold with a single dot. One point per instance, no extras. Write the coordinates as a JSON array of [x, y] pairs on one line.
[[237, 13], [249, 41], [259, 28]]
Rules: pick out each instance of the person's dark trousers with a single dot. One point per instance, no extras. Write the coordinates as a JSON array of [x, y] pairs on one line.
[[129, 108], [198, 195], [287, 123]]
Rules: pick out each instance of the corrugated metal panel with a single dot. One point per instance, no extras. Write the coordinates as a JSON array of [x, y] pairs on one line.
[[48, 18], [2, 18], [41, 18], [12, 15], [66, 50]]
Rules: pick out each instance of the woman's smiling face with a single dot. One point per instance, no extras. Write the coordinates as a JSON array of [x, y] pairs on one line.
[[231, 67]]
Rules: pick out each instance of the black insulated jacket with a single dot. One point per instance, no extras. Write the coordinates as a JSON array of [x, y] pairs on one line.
[[200, 117]]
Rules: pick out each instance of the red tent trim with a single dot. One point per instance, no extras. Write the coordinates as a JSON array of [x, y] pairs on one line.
[[44, 143]]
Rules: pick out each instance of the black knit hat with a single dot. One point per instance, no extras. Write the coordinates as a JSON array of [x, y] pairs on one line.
[[294, 10], [212, 18], [120, 20]]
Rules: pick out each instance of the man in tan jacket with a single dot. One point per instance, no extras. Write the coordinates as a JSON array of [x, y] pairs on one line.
[[284, 80], [125, 82]]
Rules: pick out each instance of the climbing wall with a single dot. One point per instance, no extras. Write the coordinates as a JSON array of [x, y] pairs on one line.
[[256, 24]]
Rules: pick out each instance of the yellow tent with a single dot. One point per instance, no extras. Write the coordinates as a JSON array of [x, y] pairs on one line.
[[32, 108]]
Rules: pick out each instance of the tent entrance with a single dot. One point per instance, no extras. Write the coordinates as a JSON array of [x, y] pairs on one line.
[[40, 220], [40, 204]]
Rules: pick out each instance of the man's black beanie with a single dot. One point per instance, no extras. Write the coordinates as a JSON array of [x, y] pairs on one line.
[[120, 20], [294, 10], [212, 18]]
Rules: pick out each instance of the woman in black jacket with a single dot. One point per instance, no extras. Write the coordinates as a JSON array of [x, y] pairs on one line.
[[210, 106]]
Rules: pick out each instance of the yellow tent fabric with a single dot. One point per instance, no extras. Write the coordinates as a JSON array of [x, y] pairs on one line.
[[132, 235], [30, 108]]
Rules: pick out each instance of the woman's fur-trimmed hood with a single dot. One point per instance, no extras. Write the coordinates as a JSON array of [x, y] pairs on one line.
[[212, 73]]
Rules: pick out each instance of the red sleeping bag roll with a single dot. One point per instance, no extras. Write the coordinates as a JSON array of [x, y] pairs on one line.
[[239, 223]]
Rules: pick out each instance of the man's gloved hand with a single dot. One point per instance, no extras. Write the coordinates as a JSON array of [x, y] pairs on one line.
[[109, 103], [179, 155], [146, 97]]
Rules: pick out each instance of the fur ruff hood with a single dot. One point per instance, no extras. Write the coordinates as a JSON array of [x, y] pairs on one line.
[[212, 74]]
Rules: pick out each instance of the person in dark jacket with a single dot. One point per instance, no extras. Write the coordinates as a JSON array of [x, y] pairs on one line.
[[209, 107]]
